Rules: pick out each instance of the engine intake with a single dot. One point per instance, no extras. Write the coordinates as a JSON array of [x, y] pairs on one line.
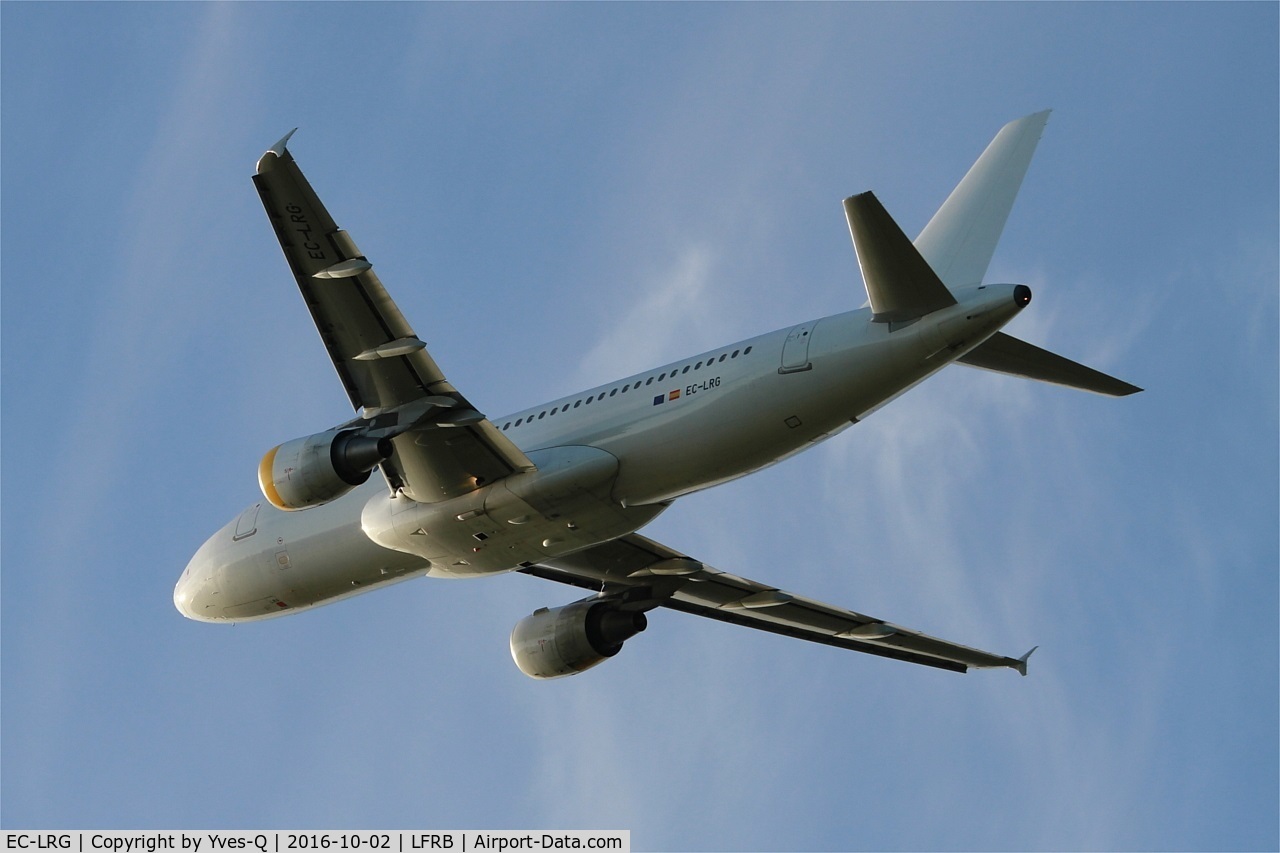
[[551, 643], [310, 471]]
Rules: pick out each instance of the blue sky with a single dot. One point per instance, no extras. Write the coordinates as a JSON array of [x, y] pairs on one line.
[[557, 195]]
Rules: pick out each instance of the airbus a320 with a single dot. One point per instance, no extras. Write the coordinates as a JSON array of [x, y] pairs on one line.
[[558, 491]]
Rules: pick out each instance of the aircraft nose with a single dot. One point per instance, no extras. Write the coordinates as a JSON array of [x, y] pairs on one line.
[[184, 595], [195, 594]]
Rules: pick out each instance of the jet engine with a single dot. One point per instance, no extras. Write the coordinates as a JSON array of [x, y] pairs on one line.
[[314, 470], [550, 643]]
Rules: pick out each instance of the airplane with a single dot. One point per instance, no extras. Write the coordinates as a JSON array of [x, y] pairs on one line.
[[558, 491]]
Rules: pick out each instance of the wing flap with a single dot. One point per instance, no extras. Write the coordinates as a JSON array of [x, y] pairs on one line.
[[353, 313], [444, 449], [632, 567], [814, 618]]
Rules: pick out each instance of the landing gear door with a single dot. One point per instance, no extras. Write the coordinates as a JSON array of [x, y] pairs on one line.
[[795, 352]]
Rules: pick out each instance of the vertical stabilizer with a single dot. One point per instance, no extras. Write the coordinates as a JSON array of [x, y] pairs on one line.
[[960, 239]]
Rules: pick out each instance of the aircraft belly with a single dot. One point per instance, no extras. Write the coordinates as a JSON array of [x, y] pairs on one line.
[[339, 562], [295, 560], [563, 506]]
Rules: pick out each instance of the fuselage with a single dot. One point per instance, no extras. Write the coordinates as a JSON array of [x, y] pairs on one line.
[[609, 460]]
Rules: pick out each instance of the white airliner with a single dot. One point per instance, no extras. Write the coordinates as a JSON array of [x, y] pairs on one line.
[[559, 490]]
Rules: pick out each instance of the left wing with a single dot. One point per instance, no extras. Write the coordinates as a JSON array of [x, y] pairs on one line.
[[646, 574], [443, 446]]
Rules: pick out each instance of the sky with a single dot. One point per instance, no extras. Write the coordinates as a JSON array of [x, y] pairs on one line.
[[558, 195]]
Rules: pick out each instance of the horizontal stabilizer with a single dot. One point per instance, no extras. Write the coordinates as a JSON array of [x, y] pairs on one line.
[[1006, 354], [900, 283]]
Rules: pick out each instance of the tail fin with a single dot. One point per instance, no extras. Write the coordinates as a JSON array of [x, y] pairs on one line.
[[960, 239], [906, 281], [1006, 354]]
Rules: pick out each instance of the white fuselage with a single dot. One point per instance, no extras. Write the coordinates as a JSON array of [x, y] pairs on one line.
[[609, 460]]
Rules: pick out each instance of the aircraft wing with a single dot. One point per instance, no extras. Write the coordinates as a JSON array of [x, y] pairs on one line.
[[644, 574], [443, 446]]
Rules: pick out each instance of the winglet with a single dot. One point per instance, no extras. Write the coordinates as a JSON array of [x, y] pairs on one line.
[[277, 149], [1021, 666]]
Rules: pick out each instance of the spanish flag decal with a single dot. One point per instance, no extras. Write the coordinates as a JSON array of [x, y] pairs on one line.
[[674, 395]]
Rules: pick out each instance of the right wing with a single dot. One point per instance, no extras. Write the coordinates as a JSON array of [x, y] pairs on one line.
[[443, 446], [645, 574]]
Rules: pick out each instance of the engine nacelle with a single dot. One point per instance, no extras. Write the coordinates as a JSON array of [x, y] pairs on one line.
[[551, 643], [314, 470]]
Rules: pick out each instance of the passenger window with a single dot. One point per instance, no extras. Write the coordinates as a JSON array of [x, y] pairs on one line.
[[723, 357], [614, 391], [649, 381], [577, 404], [661, 376], [541, 415], [746, 351], [519, 421], [686, 369], [735, 354]]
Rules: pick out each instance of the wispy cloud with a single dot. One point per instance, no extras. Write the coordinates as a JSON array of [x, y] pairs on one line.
[[669, 311], [146, 307]]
